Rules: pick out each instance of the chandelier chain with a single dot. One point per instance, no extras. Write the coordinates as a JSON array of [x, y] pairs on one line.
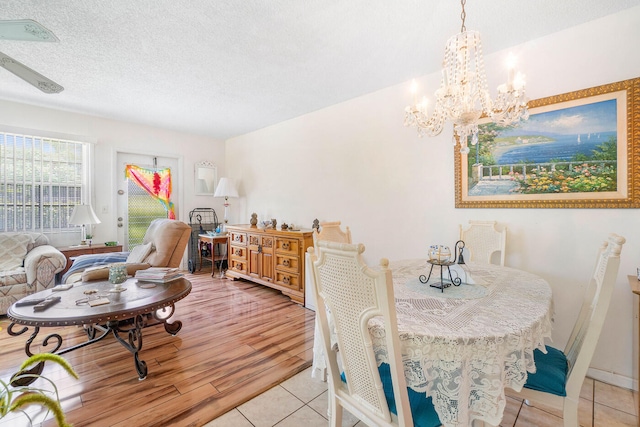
[[463, 16]]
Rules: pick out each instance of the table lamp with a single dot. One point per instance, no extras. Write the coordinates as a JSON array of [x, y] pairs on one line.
[[82, 215], [226, 188]]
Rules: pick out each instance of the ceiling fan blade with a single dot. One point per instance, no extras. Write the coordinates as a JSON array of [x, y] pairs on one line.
[[28, 75], [25, 30]]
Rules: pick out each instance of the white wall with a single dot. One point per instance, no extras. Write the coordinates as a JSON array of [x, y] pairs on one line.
[[355, 162], [111, 137]]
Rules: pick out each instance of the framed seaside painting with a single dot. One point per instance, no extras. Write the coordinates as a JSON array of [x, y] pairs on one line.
[[577, 150]]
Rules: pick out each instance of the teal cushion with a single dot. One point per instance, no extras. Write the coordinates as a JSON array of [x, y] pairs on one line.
[[422, 410], [551, 372]]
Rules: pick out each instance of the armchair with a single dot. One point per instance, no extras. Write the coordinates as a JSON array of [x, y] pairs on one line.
[[28, 264], [163, 245]]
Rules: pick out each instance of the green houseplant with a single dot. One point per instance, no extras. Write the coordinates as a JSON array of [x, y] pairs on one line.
[[14, 395]]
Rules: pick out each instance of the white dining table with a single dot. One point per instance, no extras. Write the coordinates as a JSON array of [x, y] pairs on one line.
[[465, 344]]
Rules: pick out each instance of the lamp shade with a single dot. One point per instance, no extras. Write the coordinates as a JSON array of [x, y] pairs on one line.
[[83, 214], [226, 188]]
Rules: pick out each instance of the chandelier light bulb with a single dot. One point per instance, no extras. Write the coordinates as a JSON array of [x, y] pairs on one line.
[[519, 81], [414, 91], [511, 67], [422, 106]]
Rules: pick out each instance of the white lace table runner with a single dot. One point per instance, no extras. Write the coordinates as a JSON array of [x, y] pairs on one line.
[[464, 352]]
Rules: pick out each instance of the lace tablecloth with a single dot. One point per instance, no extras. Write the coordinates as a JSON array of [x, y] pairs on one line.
[[464, 346], [464, 351]]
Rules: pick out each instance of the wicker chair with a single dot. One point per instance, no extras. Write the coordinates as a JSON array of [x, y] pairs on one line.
[[331, 232], [560, 374], [483, 239], [353, 293]]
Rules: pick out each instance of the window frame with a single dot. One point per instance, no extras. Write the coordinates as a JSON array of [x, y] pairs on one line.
[[35, 202]]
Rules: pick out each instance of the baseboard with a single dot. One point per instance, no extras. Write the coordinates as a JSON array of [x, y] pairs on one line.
[[613, 379]]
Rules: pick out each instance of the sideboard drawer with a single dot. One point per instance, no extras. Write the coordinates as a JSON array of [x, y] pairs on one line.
[[238, 238], [238, 265], [288, 263], [238, 252], [288, 246], [291, 281]]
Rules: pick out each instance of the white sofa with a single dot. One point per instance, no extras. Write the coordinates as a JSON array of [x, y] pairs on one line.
[[28, 264]]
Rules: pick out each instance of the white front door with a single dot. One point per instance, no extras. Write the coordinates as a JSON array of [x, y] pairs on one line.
[[135, 207]]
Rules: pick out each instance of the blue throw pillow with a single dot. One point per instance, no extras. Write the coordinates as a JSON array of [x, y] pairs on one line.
[[422, 410], [551, 372]]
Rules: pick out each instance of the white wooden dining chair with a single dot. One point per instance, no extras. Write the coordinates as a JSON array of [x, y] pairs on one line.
[[560, 374], [482, 239], [331, 231], [353, 293]]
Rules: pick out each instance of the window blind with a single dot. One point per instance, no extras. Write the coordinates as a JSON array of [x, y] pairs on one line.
[[41, 180]]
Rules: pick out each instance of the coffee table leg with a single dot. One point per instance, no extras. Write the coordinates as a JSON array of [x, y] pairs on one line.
[[164, 314], [30, 375], [133, 342]]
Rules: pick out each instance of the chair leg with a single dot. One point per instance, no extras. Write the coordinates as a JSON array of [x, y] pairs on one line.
[[335, 417], [570, 413]]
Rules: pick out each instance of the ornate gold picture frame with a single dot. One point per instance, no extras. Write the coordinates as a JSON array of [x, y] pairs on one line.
[[577, 150]]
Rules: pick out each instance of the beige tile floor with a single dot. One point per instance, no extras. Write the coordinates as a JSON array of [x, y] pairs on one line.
[[302, 401]]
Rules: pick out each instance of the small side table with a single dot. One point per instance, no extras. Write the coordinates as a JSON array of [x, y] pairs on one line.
[[71, 252], [634, 283], [207, 244]]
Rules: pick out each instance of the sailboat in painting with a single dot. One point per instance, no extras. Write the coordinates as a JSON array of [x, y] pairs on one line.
[[579, 139]]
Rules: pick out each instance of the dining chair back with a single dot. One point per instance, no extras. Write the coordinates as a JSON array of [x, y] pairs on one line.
[[352, 294], [483, 239], [560, 374], [331, 231]]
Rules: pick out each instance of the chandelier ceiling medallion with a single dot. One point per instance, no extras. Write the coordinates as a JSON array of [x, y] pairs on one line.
[[463, 97]]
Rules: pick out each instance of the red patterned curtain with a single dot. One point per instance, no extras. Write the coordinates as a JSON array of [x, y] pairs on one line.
[[155, 182]]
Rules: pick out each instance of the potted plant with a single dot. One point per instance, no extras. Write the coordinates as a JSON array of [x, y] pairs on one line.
[[15, 395]]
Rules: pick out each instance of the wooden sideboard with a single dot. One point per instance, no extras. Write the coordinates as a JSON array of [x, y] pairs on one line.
[[273, 258]]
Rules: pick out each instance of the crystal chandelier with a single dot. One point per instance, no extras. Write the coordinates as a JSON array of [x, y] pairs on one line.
[[463, 96]]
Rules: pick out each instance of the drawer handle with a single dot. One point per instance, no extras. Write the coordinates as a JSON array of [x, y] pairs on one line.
[[286, 280], [286, 263], [238, 252], [236, 238], [285, 246]]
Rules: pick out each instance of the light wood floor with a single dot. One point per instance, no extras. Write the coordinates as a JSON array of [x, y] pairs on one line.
[[238, 340]]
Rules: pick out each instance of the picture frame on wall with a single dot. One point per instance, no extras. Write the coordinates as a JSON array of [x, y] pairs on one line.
[[577, 150]]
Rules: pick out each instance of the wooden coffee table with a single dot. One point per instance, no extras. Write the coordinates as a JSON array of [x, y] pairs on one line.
[[127, 314]]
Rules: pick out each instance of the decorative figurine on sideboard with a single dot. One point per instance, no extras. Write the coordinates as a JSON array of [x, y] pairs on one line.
[[254, 220], [284, 226], [274, 223], [316, 225]]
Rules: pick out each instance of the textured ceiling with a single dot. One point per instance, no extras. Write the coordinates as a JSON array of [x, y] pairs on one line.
[[226, 67]]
